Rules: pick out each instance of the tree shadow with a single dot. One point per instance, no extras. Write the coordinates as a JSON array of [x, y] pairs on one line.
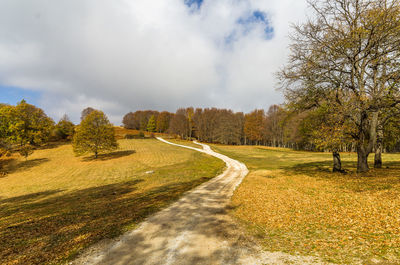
[[29, 197], [373, 180], [24, 165], [62, 224], [391, 164], [4, 162], [52, 145], [316, 168], [109, 156], [197, 214]]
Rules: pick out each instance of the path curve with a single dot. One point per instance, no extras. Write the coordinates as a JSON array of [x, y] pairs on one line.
[[196, 229]]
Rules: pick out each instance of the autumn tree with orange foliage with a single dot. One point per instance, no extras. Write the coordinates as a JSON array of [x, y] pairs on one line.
[[254, 126], [348, 52], [330, 132], [163, 120]]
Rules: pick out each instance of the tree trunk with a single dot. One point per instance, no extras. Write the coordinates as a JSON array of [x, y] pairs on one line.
[[366, 141], [378, 158], [337, 164], [362, 160], [378, 149]]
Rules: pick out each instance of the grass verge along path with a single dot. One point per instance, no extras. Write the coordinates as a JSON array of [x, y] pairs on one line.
[[184, 142], [55, 204], [293, 203]]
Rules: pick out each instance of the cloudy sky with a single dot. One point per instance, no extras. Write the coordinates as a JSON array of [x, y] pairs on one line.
[[125, 55]]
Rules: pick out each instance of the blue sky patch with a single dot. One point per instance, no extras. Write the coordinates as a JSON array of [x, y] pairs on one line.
[[232, 37], [257, 17], [194, 3], [12, 95]]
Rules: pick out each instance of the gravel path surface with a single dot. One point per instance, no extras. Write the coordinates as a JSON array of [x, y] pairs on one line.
[[194, 230]]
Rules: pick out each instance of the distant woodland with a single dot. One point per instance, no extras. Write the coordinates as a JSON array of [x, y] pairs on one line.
[[277, 127]]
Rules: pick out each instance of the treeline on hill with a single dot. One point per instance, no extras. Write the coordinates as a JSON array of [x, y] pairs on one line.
[[277, 127]]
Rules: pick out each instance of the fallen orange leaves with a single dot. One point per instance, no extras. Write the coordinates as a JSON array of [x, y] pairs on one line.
[[300, 207]]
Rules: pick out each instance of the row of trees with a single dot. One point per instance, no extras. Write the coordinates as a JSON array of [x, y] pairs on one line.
[[313, 129], [25, 127], [148, 120], [213, 125]]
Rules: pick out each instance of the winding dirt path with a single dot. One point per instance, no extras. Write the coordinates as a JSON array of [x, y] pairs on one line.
[[194, 230]]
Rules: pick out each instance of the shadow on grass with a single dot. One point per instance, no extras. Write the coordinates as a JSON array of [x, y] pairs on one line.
[[316, 168], [24, 165], [4, 162], [52, 145], [392, 164], [108, 156], [29, 197], [375, 180], [205, 215], [47, 227]]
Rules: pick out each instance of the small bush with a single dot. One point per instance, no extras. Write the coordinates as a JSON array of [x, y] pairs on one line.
[[56, 134], [134, 136], [130, 136]]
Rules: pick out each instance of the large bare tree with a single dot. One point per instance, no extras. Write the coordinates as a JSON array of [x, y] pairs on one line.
[[348, 55]]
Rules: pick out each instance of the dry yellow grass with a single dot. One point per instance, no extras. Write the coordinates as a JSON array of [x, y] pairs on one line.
[[292, 203], [185, 142], [55, 204], [120, 133]]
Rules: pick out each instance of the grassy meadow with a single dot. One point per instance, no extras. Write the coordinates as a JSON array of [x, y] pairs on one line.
[[185, 142], [292, 202], [55, 204]]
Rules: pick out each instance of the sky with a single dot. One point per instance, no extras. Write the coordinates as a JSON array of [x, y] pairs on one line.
[[122, 55]]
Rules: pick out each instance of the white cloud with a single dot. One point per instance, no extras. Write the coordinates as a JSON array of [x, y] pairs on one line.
[[125, 55]]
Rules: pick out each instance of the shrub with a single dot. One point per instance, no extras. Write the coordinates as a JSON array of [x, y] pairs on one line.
[[131, 136]]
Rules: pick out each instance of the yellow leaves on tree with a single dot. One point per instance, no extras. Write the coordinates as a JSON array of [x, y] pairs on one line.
[[94, 135]]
